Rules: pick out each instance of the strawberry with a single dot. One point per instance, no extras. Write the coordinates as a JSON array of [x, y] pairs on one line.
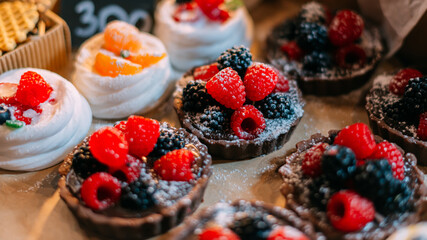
[[141, 134], [205, 73], [358, 138], [109, 146], [32, 89], [260, 80], [175, 165]]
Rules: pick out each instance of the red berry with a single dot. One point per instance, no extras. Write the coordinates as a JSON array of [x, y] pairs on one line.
[[358, 138], [286, 233], [348, 211], [247, 122], [212, 10], [100, 191], [292, 50], [186, 12], [227, 88], [260, 80], [109, 146], [7, 92], [32, 89], [121, 126], [205, 73], [141, 134], [351, 56], [422, 127], [312, 162], [401, 79], [282, 82], [345, 28], [129, 172], [218, 233], [386, 150], [175, 165]]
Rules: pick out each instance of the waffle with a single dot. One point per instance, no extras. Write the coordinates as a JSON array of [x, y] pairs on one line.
[[16, 20]]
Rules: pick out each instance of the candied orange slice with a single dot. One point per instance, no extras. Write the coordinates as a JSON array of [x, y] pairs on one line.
[[121, 36], [112, 66], [145, 59]]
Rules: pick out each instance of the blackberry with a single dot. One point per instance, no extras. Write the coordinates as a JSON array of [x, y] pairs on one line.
[[276, 105], [238, 58], [312, 12], [167, 141], [375, 181], [414, 100], [311, 36], [320, 191], [4, 114], [255, 227], [286, 30], [195, 97], [214, 118], [84, 164], [338, 163], [137, 196], [316, 62]]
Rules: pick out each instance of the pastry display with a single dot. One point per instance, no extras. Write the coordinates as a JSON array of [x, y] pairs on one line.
[[352, 185], [196, 32], [122, 71], [137, 179], [240, 109], [397, 109], [42, 117], [245, 220], [328, 55]]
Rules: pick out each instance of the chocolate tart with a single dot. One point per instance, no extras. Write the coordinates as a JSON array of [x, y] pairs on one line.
[[176, 200], [295, 191], [223, 214], [228, 145], [399, 132]]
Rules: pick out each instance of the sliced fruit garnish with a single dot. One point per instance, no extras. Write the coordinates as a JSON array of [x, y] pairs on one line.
[[112, 66], [120, 36], [145, 60], [7, 92]]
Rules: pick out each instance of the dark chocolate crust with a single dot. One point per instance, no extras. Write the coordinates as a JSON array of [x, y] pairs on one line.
[[186, 230], [143, 227], [236, 149], [382, 226]]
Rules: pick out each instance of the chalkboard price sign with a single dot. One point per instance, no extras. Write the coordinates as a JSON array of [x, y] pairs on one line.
[[88, 17]]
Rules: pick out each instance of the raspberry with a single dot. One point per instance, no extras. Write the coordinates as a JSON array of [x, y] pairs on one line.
[[205, 73], [259, 81], [401, 80], [338, 163], [186, 12], [316, 62], [195, 97], [212, 10], [4, 114], [247, 122], [142, 134], [218, 233], [253, 227], [8, 92], [345, 28], [109, 146], [311, 36], [386, 150], [138, 195], [167, 141], [32, 89], [351, 56], [276, 105], [358, 138], [286, 233], [282, 82], [215, 119], [227, 88], [129, 172], [84, 164], [239, 58], [100, 191], [422, 127], [292, 51], [349, 212], [312, 163], [175, 166]]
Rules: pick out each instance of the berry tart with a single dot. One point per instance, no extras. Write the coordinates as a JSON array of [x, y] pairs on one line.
[[135, 180], [397, 109], [243, 220], [201, 29], [328, 55], [240, 109], [122, 71], [42, 117], [354, 185]]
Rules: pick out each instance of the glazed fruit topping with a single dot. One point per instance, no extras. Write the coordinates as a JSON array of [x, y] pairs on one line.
[[345, 28], [119, 36], [112, 66], [100, 191], [32, 89], [358, 138], [286, 233], [129, 172], [422, 127], [312, 162], [247, 122], [351, 56], [218, 233], [260, 80], [239, 58], [186, 12], [205, 73], [109, 146], [213, 9], [348, 211], [141, 134], [292, 50], [175, 165], [386, 150], [401, 80], [227, 88]]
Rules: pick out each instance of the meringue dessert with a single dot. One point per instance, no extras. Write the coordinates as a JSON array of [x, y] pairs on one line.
[[42, 117], [196, 33], [122, 71]]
